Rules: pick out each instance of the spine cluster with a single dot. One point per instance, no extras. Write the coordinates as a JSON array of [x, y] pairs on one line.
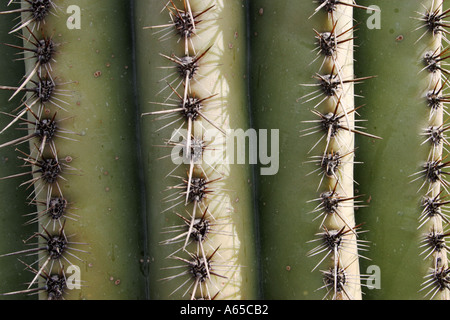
[[39, 115], [336, 122]]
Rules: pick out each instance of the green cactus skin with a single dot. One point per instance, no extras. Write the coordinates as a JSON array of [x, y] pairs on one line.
[[223, 72], [13, 231], [95, 65], [400, 113]]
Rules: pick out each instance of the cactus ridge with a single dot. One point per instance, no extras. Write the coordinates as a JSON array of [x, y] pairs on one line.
[[47, 168], [198, 264], [434, 188], [192, 108], [338, 242]]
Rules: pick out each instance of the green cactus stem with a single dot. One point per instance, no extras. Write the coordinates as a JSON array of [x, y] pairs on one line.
[[95, 167], [207, 102], [316, 77]]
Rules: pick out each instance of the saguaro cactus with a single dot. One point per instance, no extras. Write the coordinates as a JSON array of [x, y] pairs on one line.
[[142, 122]]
